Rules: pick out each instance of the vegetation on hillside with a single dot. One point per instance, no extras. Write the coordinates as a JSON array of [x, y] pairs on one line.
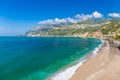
[[89, 28]]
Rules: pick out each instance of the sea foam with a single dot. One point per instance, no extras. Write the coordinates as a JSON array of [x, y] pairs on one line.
[[70, 71], [95, 51]]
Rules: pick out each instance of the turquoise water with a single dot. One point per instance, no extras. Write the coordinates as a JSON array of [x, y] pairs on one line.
[[28, 58]]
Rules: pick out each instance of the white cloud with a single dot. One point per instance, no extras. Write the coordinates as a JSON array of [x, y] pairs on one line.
[[71, 20], [58, 21], [114, 15], [77, 18], [83, 16], [97, 14], [52, 21], [89, 16], [49, 21]]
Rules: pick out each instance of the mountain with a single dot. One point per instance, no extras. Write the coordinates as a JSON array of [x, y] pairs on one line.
[[90, 28]]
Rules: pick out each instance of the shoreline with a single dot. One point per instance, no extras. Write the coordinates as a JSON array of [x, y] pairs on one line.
[[101, 66], [67, 73]]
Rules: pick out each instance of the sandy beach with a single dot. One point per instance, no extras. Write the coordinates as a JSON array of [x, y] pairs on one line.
[[104, 66]]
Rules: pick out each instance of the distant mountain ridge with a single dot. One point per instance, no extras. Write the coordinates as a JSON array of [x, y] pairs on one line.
[[88, 28]]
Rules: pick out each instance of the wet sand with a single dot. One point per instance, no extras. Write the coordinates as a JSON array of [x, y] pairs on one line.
[[104, 66]]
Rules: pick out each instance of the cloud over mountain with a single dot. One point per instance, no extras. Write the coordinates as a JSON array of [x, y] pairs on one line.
[[89, 16], [114, 15], [57, 21], [49, 21], [83, 17], [77, 18], [97, 14]]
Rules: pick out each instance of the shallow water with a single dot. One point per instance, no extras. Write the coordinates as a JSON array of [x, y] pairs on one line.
[[36, 58]]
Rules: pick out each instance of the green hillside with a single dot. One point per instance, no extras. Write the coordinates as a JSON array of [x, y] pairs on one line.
[[109, 28]]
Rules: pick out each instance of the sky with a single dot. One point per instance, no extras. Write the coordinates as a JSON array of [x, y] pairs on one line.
[[19, 16]]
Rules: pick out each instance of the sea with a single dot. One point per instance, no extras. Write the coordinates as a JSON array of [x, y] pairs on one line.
[[43, 58]]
